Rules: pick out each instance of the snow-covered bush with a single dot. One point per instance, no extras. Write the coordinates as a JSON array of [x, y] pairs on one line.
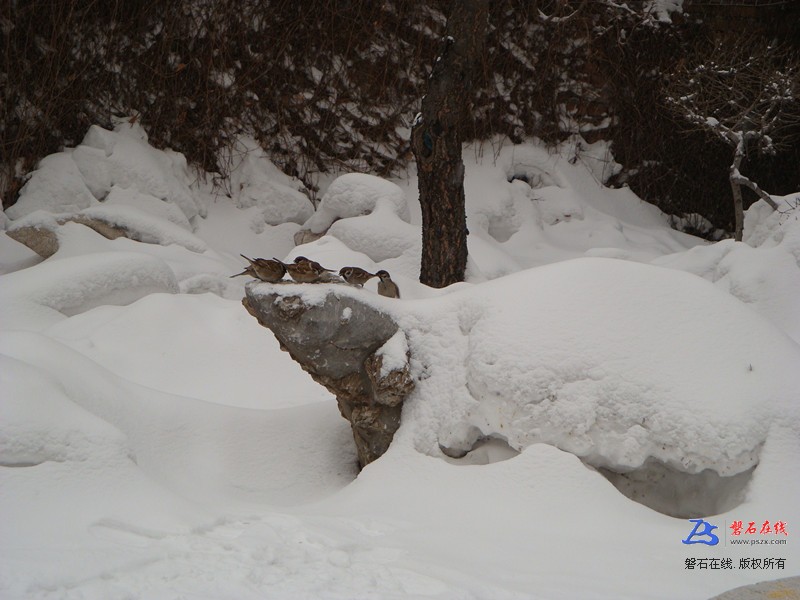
[[255, 181]]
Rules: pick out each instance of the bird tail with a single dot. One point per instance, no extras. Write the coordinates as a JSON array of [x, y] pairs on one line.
[[245, 272]]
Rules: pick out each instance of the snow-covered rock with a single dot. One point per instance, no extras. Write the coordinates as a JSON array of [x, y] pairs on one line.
[[142, 226], [56, 186], [614, 361], [118, 196], [354, 195]]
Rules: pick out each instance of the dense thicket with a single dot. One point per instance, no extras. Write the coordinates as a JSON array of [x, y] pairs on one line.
[[323, 84]]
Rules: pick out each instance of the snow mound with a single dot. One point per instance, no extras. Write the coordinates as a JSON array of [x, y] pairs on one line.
[[76, 284], [39, 423], [124, 158], [357, 194], [230, 371], [155, 207], [78, 178], [532, 206], [55, 186], [763, 271], [256, 181], [380, 235], [554, 355]]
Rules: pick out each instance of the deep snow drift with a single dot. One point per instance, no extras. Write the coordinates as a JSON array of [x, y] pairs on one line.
[[156, 443]]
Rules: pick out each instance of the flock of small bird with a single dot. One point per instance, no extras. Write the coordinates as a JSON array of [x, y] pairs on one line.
[[303, 270]]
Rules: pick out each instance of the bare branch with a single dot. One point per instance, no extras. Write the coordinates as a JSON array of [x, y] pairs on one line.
[[740, 179]]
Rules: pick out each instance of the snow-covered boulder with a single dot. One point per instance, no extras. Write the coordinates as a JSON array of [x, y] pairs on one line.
[[56, 186], [354, 195], [40, 230], [381, 235], [553, 355], [140, 225], [118, 196], [345, 344], [14, 255]]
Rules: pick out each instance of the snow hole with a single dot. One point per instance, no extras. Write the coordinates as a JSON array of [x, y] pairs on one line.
[[678, 494], [486, 450]]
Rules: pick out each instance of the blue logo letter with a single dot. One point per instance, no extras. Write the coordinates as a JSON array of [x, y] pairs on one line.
[[713, 539]]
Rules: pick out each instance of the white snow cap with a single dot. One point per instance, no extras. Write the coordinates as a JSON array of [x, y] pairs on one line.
[[354, 195]]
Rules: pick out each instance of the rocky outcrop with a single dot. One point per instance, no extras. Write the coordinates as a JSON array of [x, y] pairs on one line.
[[340, 342]]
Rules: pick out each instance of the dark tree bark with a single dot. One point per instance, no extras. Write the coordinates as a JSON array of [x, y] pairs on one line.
[[437, 137]]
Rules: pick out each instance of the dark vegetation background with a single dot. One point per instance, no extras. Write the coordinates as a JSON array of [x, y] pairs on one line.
[[326, 84]]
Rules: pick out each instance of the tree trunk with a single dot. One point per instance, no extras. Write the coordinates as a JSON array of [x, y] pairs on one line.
[[437, 137], [736, 188]]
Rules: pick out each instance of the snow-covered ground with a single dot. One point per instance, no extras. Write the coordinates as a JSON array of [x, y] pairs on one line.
[[599, 380]]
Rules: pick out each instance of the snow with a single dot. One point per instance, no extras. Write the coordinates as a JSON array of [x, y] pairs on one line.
[[356, 194], [56, 186], [152, 230], [597, 373], [764, 271], [663, 9], [256, 182], [394, 353]]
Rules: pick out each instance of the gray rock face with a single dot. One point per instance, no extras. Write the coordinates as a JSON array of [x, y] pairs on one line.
[[336, 342]]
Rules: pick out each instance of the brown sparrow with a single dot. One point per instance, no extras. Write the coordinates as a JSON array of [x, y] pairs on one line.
[[264, 269], [306, 271], [387, 287], [355, 275]]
